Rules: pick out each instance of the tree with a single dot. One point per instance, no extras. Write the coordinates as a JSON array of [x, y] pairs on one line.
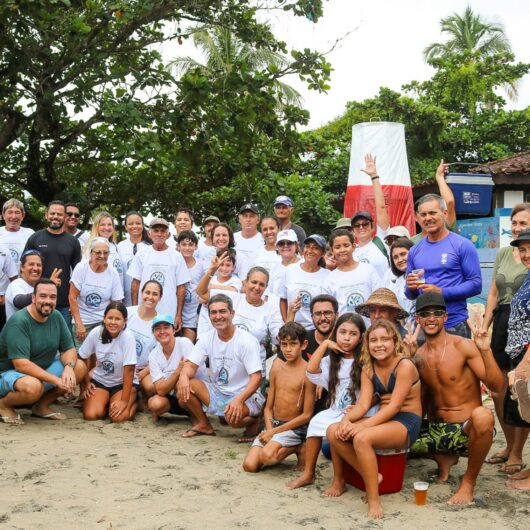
[[90, 112]]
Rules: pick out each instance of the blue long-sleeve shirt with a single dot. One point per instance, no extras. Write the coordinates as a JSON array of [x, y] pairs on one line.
[[451, 264]]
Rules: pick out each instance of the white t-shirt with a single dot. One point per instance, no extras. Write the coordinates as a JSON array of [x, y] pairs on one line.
[[249, 246], [243, 265], [308, 284], [204, 324], [111, 357], [344, 382], [13, 243], [96, 290], [352, 288], [268, 259], [167, 267], [261, 322], [205, 252], [143, 334], [82, 236], [126, 253], [8, 269], [160, 367], [16, 287], [231, 363], [190, 314], [371, 254]]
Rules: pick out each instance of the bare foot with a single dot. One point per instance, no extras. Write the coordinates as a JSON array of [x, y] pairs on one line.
[[375, 510], [464, 495], [523, 485], [300, 456], [336, 489], [303, 480], [521, 476], [9, 415], [445, 463], [47, 413]]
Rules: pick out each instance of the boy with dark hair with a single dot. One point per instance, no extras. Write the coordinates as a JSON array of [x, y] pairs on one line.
[[289, 405]]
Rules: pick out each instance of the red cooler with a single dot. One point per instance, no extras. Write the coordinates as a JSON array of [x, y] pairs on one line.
[[391, 464]]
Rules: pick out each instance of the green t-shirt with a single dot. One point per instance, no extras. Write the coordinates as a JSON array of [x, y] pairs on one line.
[[25, 338], [418, 237], [508, 274]]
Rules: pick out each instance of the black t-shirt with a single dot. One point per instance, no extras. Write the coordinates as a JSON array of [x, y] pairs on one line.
[[60, 251], [312, 345]]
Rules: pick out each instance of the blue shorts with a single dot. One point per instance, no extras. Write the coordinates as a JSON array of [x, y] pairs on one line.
[[219, 401], [10, 377]]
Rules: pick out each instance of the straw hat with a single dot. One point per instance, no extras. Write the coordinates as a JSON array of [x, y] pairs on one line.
[[382, 297]]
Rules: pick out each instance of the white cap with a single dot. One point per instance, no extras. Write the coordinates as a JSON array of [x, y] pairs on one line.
[[400, 231], [287, 235]]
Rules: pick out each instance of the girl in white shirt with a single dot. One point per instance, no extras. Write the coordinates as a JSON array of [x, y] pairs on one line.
[[111, 387]]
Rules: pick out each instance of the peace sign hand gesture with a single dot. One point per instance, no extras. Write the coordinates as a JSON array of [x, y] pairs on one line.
[[480, 335]]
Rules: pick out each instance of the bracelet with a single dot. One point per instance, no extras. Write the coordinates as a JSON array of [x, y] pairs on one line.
[[70, 364], [376, 177]]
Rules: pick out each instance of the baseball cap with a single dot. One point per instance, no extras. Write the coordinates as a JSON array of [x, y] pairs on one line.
[[399, 231], [318, 239], [249, 207], [158, 221], [283, 199], [162, 319], [287, 235], [429, 300], [211, 218], [362, 214], [344, 222]]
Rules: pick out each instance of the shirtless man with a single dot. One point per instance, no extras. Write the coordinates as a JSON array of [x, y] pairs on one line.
[[289, 407], [451, 370]]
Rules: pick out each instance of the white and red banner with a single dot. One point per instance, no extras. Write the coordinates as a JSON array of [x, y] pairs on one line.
[[386, 141]]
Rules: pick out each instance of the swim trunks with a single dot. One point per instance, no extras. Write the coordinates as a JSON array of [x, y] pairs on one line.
[[441, 437]]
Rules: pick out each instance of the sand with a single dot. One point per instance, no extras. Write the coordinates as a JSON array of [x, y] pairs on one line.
[[76, 474]]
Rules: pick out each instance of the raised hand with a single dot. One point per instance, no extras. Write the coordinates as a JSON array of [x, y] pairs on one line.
[[370, 168]]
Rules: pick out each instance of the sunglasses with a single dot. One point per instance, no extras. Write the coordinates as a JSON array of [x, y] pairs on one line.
[[285, 243], [73, 214], [30, 252], [435, 313], [361, 225]]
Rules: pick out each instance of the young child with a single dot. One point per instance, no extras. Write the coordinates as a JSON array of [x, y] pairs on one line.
[[395, 379], [289, 405], [112, 385], [340, 374], [187, 245], [219, 275]]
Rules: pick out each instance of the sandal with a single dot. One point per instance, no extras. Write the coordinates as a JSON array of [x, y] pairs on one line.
[[498, 458], [512, 469]]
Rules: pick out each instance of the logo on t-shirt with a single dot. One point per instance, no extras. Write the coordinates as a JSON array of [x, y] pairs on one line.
[[187, 297], [159, 277], [345, 399], [242, 325], [444, 259], [14, 254], [223, 376], [92, 300], [353, 300], [117, 265], [107, 366], [305, 299], [139, 348]]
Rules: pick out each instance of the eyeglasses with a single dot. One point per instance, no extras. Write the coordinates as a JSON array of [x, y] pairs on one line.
[[320, 314], [73, 214], [285, 243], [101, 252], [361, 225], [434, 313]]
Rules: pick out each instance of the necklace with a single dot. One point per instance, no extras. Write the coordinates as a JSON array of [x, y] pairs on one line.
[[441, 358]]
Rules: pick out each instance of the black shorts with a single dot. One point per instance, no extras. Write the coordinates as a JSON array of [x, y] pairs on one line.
[[174, 407], [112, 389], [511, 411], [499, 336]]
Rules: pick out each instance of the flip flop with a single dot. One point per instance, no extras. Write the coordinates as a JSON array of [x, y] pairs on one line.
[[12, 420], [58, 416], [521, 391], [512, 469], [195, 432], [497, 459], [246, 439]]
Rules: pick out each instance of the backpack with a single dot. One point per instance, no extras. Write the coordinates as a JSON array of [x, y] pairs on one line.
[[381, 246]]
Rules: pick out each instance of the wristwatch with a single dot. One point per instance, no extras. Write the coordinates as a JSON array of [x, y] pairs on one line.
[[70, 364]]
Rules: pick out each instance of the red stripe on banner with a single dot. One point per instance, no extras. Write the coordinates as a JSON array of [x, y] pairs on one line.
[[398, 199]]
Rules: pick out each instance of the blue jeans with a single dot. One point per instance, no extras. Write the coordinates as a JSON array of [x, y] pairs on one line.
[[65, 312], [461, 329]]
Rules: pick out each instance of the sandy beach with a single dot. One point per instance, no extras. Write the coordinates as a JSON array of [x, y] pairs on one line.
[[75, 475]]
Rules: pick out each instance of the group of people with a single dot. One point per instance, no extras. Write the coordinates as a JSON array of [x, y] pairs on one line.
[[362, 338]]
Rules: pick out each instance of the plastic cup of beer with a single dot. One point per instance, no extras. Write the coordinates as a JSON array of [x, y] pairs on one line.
[[420, 492], [420, 273]]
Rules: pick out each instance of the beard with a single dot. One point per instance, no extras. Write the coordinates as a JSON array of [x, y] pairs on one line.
[[44, 310], [55, 224]]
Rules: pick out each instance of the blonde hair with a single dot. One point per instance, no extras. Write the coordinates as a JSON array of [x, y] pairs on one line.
[[399, 346], [94, 231]]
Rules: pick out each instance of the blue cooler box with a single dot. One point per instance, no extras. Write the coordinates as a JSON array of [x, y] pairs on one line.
[[472, 193]]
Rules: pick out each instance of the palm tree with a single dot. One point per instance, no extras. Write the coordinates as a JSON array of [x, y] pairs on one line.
[[471, 33], [223, 51]]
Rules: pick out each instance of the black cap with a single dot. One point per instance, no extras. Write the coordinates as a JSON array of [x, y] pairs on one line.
[[429, 300], [362, 215], [249, 207], [524, 235]]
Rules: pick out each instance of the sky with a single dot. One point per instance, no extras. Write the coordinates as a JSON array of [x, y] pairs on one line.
[[385, 45]]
